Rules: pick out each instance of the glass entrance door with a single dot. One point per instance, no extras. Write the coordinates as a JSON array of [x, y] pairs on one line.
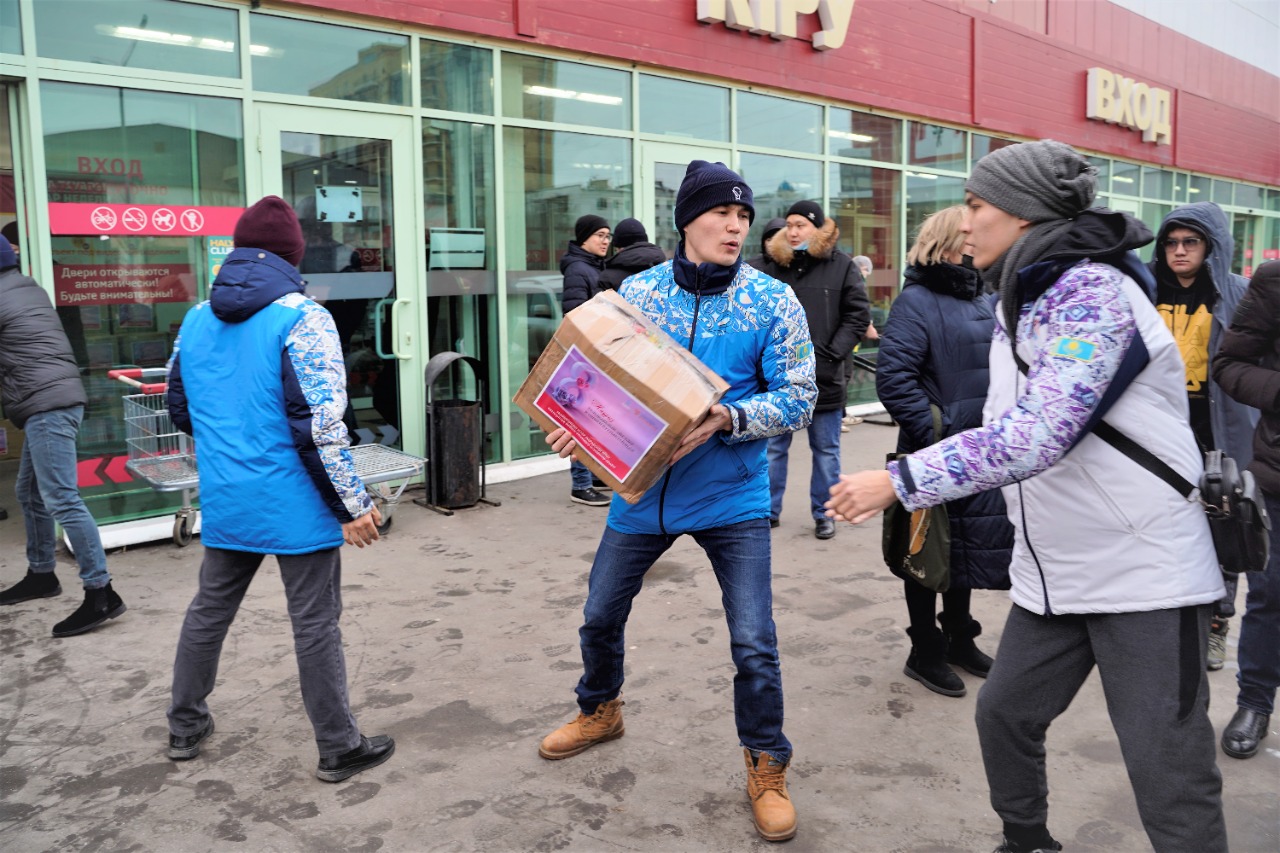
[[662, 167], [358, 223]]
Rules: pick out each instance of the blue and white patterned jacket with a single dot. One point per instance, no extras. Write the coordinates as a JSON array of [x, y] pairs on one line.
[[257, 378], [753, 335]]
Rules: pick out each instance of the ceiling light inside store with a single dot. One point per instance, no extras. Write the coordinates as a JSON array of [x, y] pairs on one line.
[[1122, 179], [180, 40], [1194, 190], [852, 137], [569, 94], [922, 175]]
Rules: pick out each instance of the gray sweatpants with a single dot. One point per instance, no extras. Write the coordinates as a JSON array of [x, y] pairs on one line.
[[311, 586], [1153, 676]]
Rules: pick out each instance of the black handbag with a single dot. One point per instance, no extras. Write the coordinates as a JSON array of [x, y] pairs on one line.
[[919, 543], [1237, 512]]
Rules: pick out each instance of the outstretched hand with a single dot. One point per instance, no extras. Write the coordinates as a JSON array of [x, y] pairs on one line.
[[363, 530], [858, 497]]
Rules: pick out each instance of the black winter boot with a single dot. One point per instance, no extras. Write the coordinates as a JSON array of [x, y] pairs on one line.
[[34, 585], [927, 663], [98, 606], [961, 650]]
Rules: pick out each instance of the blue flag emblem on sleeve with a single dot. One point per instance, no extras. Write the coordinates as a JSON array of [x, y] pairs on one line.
[[1075, 348]]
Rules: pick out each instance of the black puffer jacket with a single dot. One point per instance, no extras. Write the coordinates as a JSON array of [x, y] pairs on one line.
[[1248, 369], [834, 298], [581, 271], [38, 373], [934, 350], [635, 258]]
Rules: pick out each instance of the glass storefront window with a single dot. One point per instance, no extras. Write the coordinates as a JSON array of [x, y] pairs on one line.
[[156, 34], [1153, 214], [777, 183], [1103, 165], [121, 297], [1273, 200], [550, 178], [680, 108], [1180, 184], [864, 136], [1199, 188], [327, 61], [10, 27], [1222, 192], [1247, 195], [1125, 178], [1157, 183], [462, 311], [935, 146], [928, 194], [534, 87], [984, 145], [771, 122], [457, 77]]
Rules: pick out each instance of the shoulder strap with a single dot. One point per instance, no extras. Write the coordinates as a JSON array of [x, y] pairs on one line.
[[1143, 457]]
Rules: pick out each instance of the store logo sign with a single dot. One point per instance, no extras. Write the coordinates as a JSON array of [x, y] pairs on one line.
[[778, 18], [1119, 100]]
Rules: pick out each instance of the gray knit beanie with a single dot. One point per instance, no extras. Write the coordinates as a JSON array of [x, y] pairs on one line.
[[1036, 181]]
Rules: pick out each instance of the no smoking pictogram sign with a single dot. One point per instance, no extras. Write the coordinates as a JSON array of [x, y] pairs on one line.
[[134, 219], [103, 218], [163, 219], [192, 220]]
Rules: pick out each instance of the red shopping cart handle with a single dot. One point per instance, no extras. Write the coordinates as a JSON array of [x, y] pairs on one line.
[[134, 376]]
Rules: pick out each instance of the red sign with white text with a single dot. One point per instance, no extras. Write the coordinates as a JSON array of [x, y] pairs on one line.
[[122, 284], [144, 220]]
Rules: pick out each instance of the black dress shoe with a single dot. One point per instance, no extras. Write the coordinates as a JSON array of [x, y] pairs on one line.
[[371, 752], [1241, 736], [187, 747], [824, 528]]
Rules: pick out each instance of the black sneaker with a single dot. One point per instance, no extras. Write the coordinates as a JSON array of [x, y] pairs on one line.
[[824, 528], [34, 585], [98, 606], [187, 747], [371, 752], [1009, 847], [590, 497]]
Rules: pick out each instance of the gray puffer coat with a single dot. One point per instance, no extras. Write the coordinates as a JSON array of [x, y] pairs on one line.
[[38, 373]]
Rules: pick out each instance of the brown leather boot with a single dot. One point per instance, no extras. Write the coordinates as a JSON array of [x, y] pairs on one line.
[[771, 806], [585, 732]]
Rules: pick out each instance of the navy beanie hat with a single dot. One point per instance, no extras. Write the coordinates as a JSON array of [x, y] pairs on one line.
[[272, 225], [810, 210], [707, 185], [7, 256], [586, 226], [628, 232]]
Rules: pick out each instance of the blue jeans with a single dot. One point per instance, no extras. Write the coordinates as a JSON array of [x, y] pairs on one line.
[[1259, 650], [824, 442], [312, 589], [47, 491], [740, 556], [581, 475]]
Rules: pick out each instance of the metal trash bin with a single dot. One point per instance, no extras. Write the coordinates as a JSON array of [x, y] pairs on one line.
[[455, 441]]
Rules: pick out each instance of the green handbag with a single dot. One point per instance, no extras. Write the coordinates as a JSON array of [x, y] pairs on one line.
[[919, 543]]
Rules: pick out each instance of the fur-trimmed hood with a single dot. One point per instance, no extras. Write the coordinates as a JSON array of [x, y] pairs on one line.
[[820, 247]]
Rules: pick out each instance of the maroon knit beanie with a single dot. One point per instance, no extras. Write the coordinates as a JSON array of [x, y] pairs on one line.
[[272, 225]]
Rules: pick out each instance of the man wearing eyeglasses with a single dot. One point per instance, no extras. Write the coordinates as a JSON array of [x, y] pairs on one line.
[[1197, 294]]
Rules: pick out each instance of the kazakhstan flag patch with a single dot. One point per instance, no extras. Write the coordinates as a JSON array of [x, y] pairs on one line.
[[1075, 348]]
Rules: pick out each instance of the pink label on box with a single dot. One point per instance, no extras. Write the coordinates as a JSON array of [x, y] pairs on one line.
[[607, 421]]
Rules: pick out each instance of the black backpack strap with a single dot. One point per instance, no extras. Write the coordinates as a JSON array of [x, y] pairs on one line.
[[1143, 457]]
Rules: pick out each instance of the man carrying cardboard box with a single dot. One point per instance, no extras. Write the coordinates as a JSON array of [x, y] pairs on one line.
[[750, 329]]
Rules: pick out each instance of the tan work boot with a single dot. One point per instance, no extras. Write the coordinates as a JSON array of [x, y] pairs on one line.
[[771, 807], [585, 732]]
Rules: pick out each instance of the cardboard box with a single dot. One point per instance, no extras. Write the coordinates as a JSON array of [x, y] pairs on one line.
[[623, 388]]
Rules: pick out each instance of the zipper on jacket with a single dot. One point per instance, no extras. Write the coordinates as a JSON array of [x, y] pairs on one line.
[[693, 331], [1026, 537]]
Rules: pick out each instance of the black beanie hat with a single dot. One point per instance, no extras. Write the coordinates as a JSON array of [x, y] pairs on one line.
[[773, 226], [586, 226], [628, 232], [810, 210], [707, 185], [272, 225]]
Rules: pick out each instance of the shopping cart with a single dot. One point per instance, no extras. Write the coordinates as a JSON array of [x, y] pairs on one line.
[[159, 453], [377, 464]]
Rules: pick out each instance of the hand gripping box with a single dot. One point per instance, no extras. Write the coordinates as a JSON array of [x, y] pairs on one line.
[[623, 388]]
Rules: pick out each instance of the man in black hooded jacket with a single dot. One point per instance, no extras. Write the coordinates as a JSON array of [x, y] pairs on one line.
[[633, 253]]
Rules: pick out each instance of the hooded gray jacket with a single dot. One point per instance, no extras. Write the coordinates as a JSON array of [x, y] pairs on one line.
[[38, 373], [1232, 422]]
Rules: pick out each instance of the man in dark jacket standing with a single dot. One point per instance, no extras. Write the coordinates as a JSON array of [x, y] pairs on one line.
[[1197, 294], [44, 397], [1248, 369], [829, 286], [633, 253], [257, 377], [581, 266]]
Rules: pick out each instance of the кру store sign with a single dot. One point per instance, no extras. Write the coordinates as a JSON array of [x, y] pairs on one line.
[[1119, 100], [778, 17]]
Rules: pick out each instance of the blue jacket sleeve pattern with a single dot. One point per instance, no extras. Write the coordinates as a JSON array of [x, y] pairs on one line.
[[176, 393], [315, 400], [787, 367], [1086, 324]]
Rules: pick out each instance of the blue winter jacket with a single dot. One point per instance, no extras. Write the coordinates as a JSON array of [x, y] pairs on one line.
[[257, 378], [754, 335], [1232, 422], [935, 349]]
